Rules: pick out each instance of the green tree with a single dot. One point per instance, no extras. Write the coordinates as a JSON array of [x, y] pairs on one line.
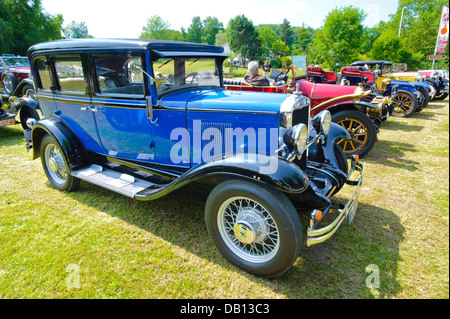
[[220, 38], [195, 30], [418, 33], [156, 28], [24, 23], [267, 37], [211, 26], [339, 39], [242, 37], [286, 33], [279, 46], [305, 36], [76, 30]]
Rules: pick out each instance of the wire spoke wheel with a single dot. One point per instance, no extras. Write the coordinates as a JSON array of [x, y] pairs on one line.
[[55, 162], [248, 229], [255, 228], [55, 166]]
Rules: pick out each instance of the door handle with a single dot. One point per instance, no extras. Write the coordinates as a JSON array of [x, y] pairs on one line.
[[89, 108]]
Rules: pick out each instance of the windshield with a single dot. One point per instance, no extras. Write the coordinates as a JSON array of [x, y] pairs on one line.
[[13, 62], [299, 65], [178, 73], [399, 67]]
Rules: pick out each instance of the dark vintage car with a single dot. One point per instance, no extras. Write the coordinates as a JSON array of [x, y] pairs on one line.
[[146, 117], [360, 112], [14, 76], [13, 107], [439, 79]]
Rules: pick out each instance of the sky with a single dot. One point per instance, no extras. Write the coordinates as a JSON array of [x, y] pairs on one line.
[[125, 18]]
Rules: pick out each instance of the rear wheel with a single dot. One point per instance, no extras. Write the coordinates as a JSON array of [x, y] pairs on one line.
[[362, 132], [254, 228], [55, 166], [404, 104]]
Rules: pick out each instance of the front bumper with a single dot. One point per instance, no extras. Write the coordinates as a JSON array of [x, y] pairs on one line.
[[317, 234]]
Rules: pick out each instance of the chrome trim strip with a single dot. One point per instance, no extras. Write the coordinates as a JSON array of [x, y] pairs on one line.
[[232, 111]]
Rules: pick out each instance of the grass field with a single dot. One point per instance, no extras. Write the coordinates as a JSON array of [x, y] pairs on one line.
[[94, 243]]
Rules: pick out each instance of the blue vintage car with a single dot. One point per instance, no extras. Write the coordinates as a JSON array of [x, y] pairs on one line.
[[146, 117]]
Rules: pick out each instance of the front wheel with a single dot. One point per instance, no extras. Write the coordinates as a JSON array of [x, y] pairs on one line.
[[441, 96], [9, 83], [55, 166], [423, 99], [404, 103], [363, 132], [254, 228]]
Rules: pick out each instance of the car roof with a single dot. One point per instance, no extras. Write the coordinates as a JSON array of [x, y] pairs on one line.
[[161, 47], [371, 62]]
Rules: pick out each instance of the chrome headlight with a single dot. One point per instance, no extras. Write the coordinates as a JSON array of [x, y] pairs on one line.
[[287, 108], [322, 122], [297, 137]]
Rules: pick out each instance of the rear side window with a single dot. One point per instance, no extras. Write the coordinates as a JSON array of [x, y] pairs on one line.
[[70, 74], [114, 76], [43, 71]]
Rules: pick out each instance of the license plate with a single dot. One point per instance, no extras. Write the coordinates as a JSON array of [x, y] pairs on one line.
[[7, 122]]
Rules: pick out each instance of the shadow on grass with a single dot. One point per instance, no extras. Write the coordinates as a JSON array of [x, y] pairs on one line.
[[334, 269], [10, 135], [392, 154]]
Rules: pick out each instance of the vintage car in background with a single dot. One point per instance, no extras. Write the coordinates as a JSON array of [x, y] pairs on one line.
[[317, 74], [406, 103], [439, 79], [146, 117], [359, 111], [14, 75], [12, 107]]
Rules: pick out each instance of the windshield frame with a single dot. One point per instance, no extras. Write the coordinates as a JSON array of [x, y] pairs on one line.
[[175, 78]]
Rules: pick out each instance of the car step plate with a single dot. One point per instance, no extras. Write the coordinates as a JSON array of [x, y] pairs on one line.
[[121, 183]]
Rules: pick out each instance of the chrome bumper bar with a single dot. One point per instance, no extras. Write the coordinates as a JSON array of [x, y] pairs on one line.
[[316, 235]]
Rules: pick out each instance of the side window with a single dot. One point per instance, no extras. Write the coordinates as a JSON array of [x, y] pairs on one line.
[[114, 75], [70, 74], [43, 71]]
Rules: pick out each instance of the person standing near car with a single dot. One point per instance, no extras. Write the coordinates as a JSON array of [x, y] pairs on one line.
[[266, 69]]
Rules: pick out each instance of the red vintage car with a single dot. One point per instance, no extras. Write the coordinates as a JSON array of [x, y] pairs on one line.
[[360, 112], [15, 75]]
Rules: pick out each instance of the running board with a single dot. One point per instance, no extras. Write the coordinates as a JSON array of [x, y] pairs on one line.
[[124, 184]]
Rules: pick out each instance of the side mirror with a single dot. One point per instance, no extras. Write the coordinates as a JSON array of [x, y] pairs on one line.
[[136, 68]]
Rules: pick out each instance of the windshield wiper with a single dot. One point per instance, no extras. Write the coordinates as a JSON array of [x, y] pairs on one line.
[[165, 63], [194, 61]]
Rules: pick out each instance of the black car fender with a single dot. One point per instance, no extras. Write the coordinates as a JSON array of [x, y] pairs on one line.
[[269, 170], [325, 151], [74, 152], [19, 88]]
